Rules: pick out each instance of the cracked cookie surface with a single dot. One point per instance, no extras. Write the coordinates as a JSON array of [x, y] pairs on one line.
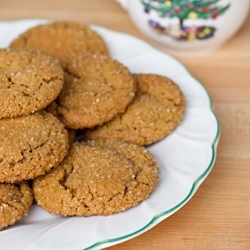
[[15, 201], [29, 81], [96, 89], [60, 38], [98, 178], [156, 110], [30, 146]]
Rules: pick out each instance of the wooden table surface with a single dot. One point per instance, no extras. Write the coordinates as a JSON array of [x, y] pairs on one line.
[[218, 216]]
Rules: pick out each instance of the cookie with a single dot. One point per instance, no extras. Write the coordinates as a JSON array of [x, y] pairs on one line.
[[98, 178], [155, 112], [30, 146], [29, 81], [96, 89], [60, 38], [15, 201]]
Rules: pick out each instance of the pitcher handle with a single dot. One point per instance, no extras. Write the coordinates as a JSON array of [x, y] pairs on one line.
[[123, 3]]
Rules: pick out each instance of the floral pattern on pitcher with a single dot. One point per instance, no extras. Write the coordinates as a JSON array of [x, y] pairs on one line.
[[183, 10]]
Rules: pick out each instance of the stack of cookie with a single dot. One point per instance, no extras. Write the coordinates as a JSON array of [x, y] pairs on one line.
[[65, 68], [32, 141]]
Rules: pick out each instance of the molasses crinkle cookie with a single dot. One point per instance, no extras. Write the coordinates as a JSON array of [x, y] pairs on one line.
[[15, 201], [156, 110], [30, 146], [60, 38], [97, 178], [96, 89], [29, 81]]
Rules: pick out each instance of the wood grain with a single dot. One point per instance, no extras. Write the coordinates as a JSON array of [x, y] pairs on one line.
[[218, 216]]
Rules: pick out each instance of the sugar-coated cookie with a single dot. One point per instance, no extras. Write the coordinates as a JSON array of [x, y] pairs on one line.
[[157, 109], [96, 89], [61, 37], [29, 81], [98, 178], [30, 146], [15, 201]]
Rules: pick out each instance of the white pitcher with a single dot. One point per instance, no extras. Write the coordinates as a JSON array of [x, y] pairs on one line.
[[188, 27]]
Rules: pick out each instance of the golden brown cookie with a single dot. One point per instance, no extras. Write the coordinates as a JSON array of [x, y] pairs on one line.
[[29, 81], [30, 146], [98, 178], [60, 38], [156, 110], [96, 89], [15, 201]]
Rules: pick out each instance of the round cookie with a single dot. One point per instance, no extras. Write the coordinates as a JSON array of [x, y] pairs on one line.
[[29, 81], [15, 201], [30, 146], [156, 110], [97, 178], [96, 89], [60, 38]]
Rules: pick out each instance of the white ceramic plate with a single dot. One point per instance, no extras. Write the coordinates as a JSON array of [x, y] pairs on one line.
[[185, 158]]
